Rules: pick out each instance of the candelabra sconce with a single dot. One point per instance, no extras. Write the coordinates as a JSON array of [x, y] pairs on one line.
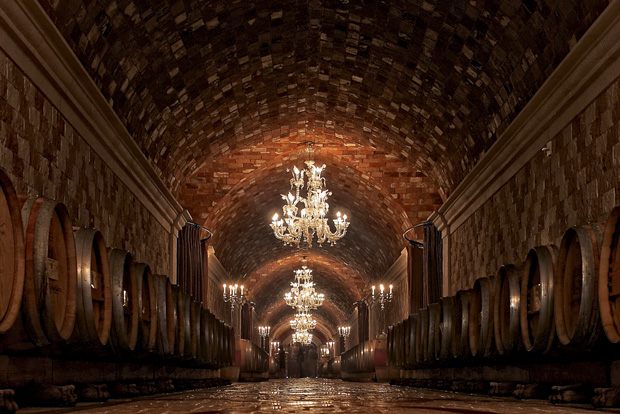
[[234, 295], [383, 298], [263, 331], [330, 347], [344, 331], [275, 347]]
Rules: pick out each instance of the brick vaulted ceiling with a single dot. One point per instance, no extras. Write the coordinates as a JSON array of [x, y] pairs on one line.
[[401, 98]]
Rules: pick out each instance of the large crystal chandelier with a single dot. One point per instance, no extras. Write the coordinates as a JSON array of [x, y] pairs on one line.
[[291, 228], [303, 322], [303, 296]]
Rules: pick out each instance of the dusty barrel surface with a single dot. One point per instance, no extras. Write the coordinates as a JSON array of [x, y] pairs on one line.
[[444, 348], [184, 332], [406, 338], [422, 336], [609, 277], [537, 296], [94, 292], [12, 254], [147, 306], [50, 286], [413, 327], [481, 317], [506, 310], [460, 339], [434, 324], [125, 311], [205, 337], [166, 316], [576, 309]]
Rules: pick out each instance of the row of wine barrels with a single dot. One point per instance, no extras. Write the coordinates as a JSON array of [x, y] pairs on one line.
[[564, 296], [359, 359], [63, 292]]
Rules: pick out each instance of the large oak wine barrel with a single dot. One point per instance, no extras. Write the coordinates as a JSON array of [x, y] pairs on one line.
[[422, 336], [434, 326], [205, 337], [506, 310], [460, 339], [166, 316], [609, 277], [444, 348], [537, 291], [413, 328], [12, 254], [406, 338], [231, 345], [576, 307], [481, 317], [184, 331], [125, 310], [196, 328], [94, 291], [390, 346], [147, 305], [50, 286], [220, 351]]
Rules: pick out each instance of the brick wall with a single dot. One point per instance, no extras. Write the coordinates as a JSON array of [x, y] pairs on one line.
[[579, 183], [44, 155]]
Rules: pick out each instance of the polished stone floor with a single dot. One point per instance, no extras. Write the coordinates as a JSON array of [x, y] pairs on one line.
[[326, 396]]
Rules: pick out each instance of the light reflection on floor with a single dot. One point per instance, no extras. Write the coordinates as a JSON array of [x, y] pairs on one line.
[[324, 396]]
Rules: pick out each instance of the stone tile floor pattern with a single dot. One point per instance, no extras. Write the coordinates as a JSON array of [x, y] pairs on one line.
[[324, 396]]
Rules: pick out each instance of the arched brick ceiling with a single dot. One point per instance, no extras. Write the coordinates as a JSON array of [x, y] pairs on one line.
[[435, 82]]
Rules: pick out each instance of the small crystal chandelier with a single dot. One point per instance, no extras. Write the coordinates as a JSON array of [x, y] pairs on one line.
[[303, 322], [303, 336], [293, 229], [303, 296]]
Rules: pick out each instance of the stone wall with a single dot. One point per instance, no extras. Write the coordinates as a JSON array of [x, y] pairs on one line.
[[44, 155], [578, 183]]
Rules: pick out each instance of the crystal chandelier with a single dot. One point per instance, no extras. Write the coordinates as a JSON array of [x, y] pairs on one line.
[[303, 336], [303, 322], [293, 229], [303, 296]]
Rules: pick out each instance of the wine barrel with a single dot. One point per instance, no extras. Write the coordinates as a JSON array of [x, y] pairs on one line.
[[390, 346], [434, 326], [422, 336], [50, 286], [220, 341], [406, 338], [166, 316], [399, 342], [506, 310], [413, 328], [481, 317], [196, 331], [444, 347], [12, 254], [460, 339], [147, 305], [94, 291], [576, 307], [125, 311], [537, 291], [205, 338], [184, 332], [609, 277]]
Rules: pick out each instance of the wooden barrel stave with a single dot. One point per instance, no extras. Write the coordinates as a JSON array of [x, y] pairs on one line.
[[125, 311], [184, 340], [422, 336], [12, 251], [447, 328], [94, 295], [481, 317], [413, 328], [576, 308], [434, 323], [537, 299], [506, 310], [460, 341], [147, 307], [609, 277]]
